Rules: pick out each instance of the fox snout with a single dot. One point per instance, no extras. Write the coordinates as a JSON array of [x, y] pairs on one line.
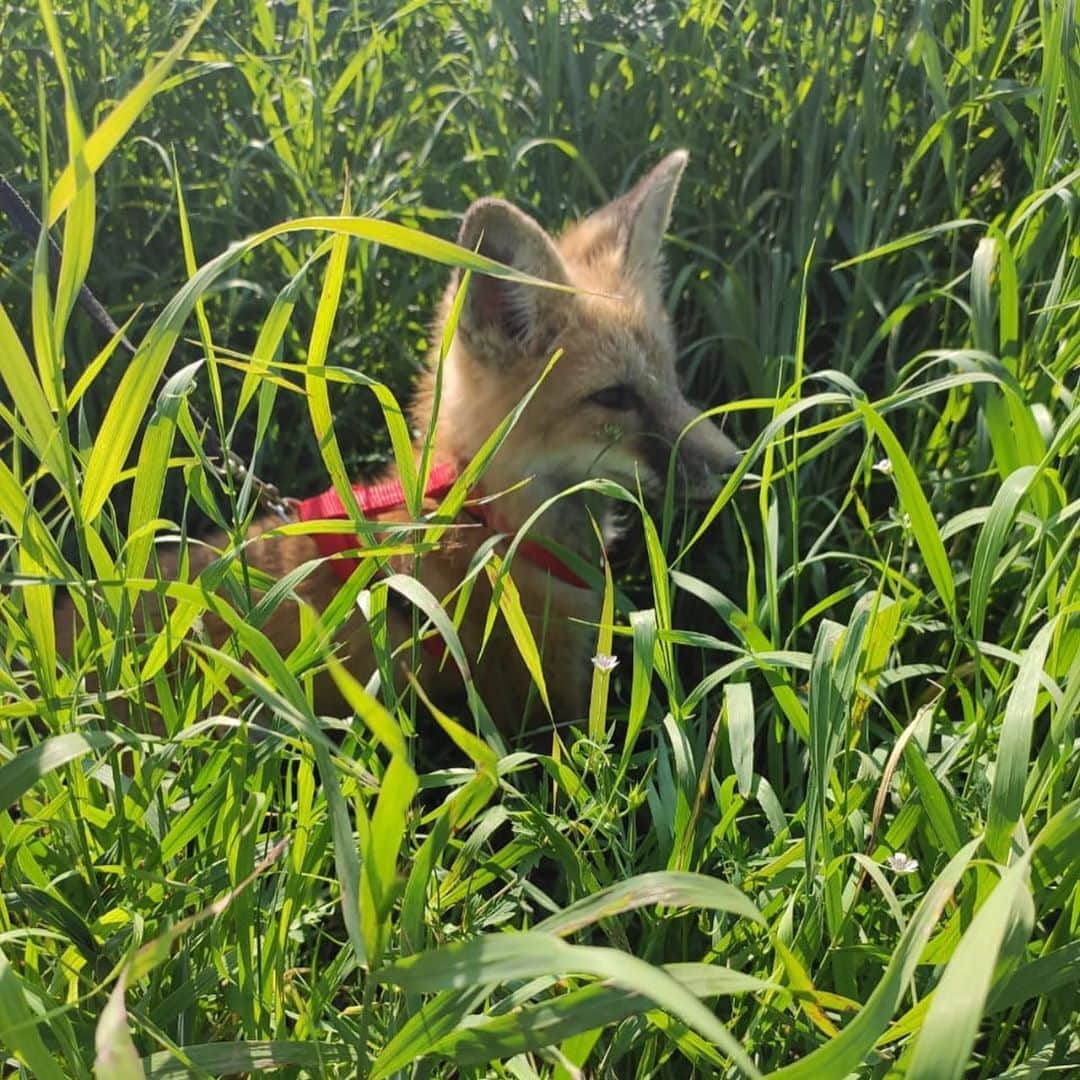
[[704, 458], [704, 455]]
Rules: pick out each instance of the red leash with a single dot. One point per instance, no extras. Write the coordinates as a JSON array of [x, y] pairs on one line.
[[376, 499]]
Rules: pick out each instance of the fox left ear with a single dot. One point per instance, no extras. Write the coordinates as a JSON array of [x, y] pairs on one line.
[[648, 210], [502, 316]]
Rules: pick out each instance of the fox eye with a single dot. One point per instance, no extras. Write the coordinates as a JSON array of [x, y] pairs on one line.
[[619, 397]]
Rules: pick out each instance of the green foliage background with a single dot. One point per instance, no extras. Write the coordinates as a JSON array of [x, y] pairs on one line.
[[871, 649]]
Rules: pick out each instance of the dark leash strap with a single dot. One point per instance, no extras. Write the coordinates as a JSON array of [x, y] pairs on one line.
[[23, 217]]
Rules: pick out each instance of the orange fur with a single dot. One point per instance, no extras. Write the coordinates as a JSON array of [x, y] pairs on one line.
[[611, 408]]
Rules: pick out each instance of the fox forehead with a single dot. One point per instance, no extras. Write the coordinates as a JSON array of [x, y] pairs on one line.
[[609, 336]]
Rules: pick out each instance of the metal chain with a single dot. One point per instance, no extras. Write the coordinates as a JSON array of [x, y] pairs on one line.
[[231, 464]]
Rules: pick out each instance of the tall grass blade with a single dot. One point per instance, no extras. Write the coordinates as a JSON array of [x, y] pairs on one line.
[[106, 137], [991, 540], [19, 1026], [533, 953], [915, 506], [30, 398], [943, 1046], [1014, 747]]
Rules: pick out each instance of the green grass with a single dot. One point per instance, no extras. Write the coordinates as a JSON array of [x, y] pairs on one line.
[[868, 645]]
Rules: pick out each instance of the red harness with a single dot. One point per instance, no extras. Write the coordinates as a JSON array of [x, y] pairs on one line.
[[376, 499]]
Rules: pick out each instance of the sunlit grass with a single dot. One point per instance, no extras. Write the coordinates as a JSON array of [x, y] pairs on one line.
[[823, 816]]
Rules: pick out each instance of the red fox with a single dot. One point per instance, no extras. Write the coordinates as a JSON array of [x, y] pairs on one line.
[[610, 408]]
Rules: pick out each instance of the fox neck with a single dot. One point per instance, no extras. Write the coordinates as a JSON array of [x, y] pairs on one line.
[[568, 520], [513, 497], [516, 485]]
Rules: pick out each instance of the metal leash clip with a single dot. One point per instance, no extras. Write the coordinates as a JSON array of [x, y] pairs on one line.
[[268, 495]]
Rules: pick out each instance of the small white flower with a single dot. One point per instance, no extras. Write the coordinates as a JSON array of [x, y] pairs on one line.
[[900, 863], [884, 466], [605, 662]]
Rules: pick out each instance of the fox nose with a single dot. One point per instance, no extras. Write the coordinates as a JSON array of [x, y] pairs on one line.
[[729, 458], [710, 448], [706, 456]]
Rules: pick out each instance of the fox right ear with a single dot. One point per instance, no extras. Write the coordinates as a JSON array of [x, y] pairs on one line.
[[499, 313], [648, 206]]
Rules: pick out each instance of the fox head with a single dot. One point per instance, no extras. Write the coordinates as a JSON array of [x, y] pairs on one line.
[[611, 407]]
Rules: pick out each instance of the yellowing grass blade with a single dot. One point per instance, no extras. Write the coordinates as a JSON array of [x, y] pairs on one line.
[[93, 369], [506, 595], [29, 397], [268, 343], [322, 417], [121, 422], [78, 238], [377, 720]]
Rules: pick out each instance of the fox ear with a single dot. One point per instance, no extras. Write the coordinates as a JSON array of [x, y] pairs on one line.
[[498, 313], [647, 210]]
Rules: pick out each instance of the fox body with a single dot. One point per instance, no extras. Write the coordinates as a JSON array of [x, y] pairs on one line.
[[610, 408]]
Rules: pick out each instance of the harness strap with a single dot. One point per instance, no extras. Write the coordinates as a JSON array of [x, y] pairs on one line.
[[531, 551], [373, 500], [387, 495]]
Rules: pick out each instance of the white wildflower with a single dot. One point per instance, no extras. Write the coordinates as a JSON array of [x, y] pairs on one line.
[[900, 863]]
